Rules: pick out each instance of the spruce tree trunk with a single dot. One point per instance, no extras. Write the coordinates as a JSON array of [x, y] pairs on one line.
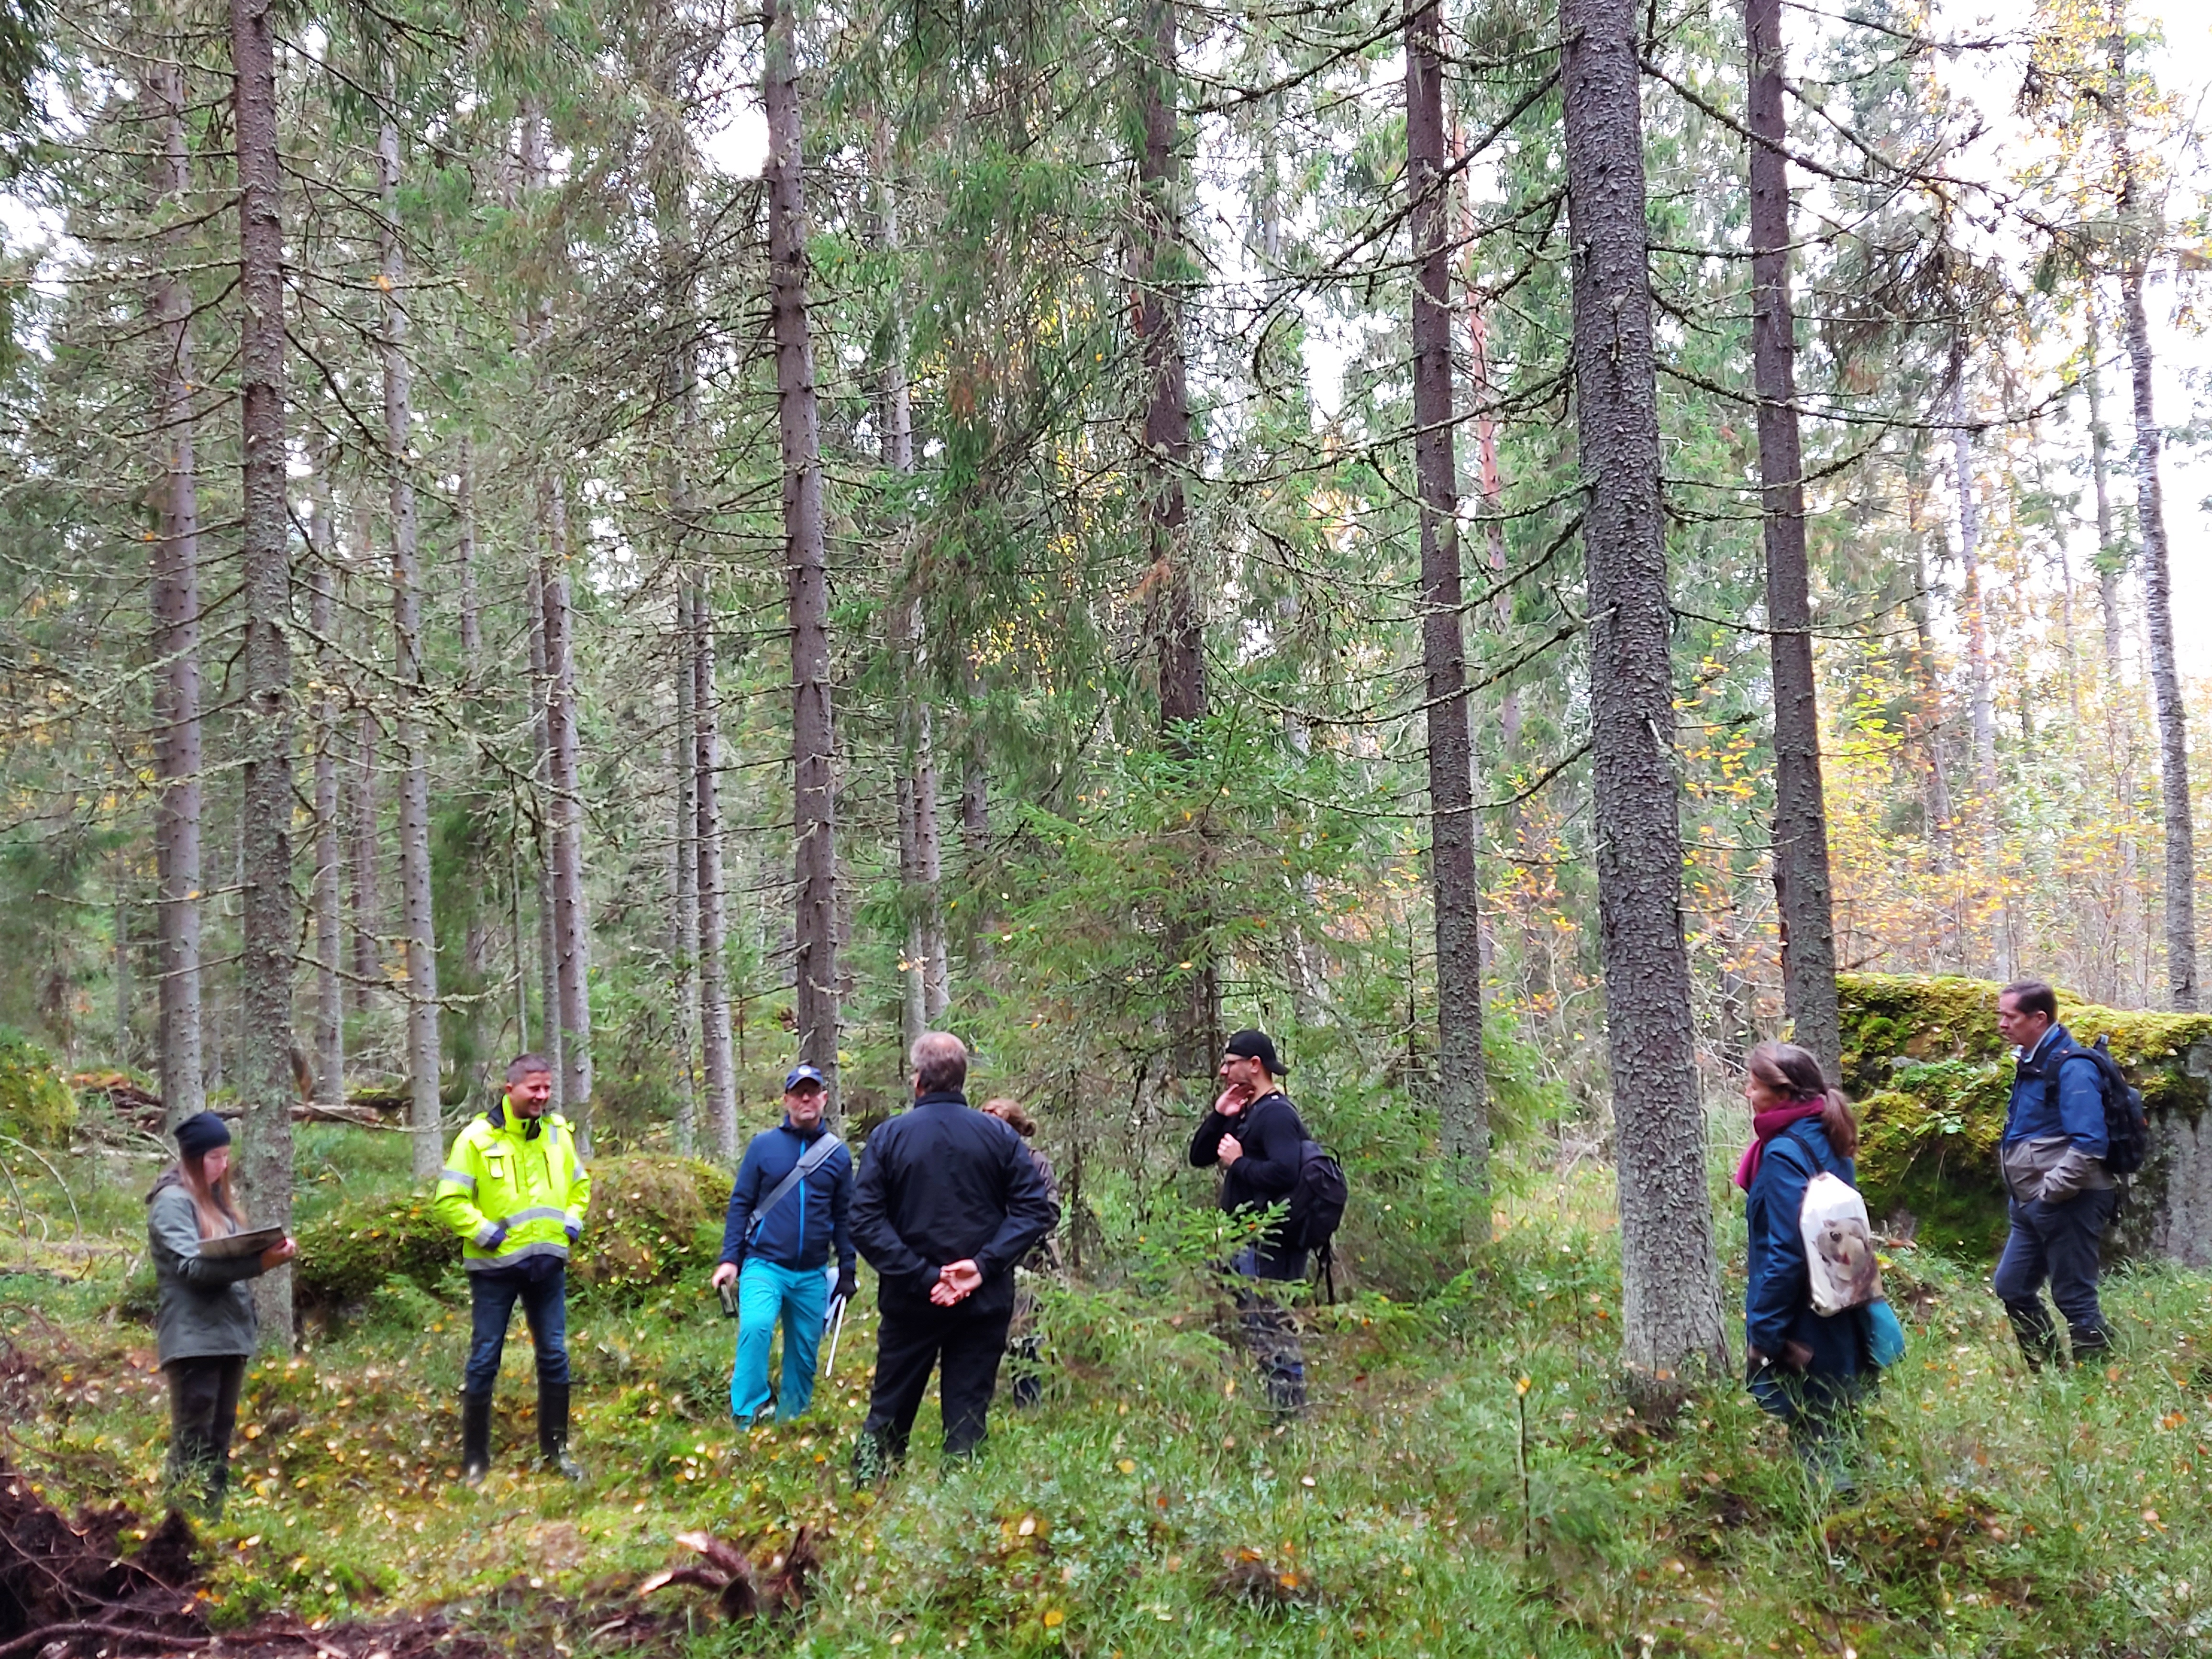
[[549, 946], [571, 936], [176, 618], [367, 852], [464, 556], [1670, 1272], [1195, 1037], [425, 1064], [813, 728], [267, 945], [1801, 885], [683, 923], [928, 973], [328, 896], [721, 1082], [1462, 1103], [2165, 675]]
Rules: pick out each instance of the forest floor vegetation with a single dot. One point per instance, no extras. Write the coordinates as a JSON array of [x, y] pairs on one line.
[[1470, 1481]]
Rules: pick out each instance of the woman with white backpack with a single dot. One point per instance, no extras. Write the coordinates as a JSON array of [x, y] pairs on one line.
[[1812, 1329]]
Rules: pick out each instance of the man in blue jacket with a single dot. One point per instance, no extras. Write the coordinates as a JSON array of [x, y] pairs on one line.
[[790, 1206], [2051, 1159]]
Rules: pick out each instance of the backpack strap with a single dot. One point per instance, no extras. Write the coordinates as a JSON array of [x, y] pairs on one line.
[[809, 1161]]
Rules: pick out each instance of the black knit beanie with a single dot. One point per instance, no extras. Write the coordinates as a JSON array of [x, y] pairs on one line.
[[201, 1133]]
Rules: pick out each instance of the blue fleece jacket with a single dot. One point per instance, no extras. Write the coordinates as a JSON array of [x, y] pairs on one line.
[[2079, 1112], [814, 1217]]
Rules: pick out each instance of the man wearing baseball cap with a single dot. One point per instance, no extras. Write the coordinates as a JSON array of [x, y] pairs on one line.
[[790, 1206], [1254, 1134]]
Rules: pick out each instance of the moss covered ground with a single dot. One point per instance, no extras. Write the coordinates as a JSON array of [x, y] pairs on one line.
[[1470, 1481]]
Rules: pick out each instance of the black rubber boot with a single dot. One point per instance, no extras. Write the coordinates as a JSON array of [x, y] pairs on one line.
[[2091, 1343], [475, 1438], [553, 1431], [2038, 1342]]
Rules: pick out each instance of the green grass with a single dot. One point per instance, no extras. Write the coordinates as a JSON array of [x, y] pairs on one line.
[[1149, 1509]]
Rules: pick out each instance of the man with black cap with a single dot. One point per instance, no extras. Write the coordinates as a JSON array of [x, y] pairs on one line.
[[791, 1205], [515, 1190], [948, 1201], [1255, 1135]]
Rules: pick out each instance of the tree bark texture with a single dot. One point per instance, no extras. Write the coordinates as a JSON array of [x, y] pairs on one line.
[[2165, 675], [571, 925], [721, 1082], [176, 618], [267, 943], [683, 922], [1194, 1039], [327, 891], [1801, 885], [368, 855], [549, 944], [464, 558], [2112, 557], [1974, 619], [1670, 1272], [425, 1064], [813, 727], [1462, 1103]]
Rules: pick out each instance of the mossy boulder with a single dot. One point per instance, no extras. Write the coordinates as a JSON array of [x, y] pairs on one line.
[[36, 1103], [1931, 1076], [655, 1226]]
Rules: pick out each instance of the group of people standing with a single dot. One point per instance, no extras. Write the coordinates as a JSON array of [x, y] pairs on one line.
[[950, 1201], [1814, 1369]]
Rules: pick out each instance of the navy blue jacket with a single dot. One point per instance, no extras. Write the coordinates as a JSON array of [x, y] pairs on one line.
[[814, 1217], [2080, 1111], [1777, 1302], [943, 1182]]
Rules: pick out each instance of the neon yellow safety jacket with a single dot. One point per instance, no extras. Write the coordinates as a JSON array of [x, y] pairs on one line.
[[512, 1190]]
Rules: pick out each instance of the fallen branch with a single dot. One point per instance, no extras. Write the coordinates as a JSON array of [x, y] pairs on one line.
[[34, 1640]]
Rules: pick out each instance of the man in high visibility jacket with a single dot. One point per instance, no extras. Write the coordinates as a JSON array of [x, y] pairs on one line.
[[516, 1192]]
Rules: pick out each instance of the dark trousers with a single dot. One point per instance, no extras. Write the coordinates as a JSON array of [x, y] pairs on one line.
[[202, 1413], [2060, 1243], [967, 1345], [1270, 1335], [545, 1303]]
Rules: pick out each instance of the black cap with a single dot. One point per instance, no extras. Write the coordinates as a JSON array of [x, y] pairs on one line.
[[1255, 1045], [201, 1133]]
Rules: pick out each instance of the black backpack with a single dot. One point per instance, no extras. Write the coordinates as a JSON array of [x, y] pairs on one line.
[[1316, 1200], [2127, 1125]]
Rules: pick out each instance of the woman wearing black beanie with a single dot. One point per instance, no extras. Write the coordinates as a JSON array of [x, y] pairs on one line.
[[204, 1326]]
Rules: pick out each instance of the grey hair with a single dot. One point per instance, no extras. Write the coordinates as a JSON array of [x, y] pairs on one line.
[[938, 1061], [523, 1064]]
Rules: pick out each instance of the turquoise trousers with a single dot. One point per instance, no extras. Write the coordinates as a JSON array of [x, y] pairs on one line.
[[800, 1298]]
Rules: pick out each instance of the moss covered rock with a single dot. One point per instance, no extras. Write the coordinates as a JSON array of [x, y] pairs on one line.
[[1931, 1075], [36, 1105], [656, 1222]]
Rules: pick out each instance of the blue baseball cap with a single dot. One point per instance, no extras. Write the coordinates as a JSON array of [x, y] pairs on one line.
[[799, 1074]]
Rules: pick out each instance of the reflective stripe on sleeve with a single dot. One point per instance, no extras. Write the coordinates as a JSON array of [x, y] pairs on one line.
[[468, 1181]]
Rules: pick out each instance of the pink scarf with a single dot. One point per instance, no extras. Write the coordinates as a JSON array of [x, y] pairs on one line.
[[1764, 1127]]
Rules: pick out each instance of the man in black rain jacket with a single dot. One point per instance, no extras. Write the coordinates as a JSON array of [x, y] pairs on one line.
[[948, 1201]]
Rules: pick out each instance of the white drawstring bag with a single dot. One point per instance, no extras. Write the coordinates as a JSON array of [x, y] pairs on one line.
[[1839, 1259]]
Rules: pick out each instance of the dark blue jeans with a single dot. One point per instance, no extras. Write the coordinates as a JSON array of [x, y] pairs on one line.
[[545, 1303], [2060, 1243], [1270, 1335]]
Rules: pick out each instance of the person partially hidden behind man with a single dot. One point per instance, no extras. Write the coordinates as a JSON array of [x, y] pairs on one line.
[[790, 1207], [2052, 1161], [516, 1192], [948, 1201]]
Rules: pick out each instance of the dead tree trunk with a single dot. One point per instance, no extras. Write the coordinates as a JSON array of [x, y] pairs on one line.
[[571, 927], [1462, 1103], [1801, 885], [813, 728], [267, 945], [176, 607], [1670, 1272], [424, 1059], [328, 895]]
